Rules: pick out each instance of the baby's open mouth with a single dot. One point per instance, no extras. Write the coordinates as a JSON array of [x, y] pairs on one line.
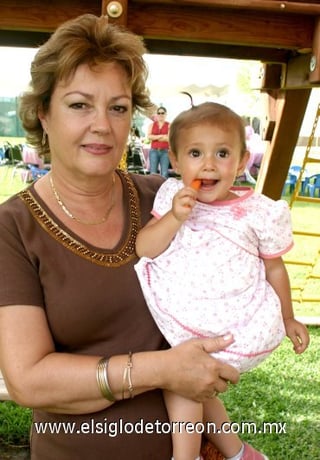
[[206, 183]]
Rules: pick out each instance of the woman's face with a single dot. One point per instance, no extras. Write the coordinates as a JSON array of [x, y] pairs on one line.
[[89, 119], [161, 115]]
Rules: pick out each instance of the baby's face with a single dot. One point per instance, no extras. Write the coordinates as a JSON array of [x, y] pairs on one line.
[[211, 153]]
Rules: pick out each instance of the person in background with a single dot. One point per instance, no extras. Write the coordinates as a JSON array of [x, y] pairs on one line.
[[211, 263], [135, 160], [256, 149], [77, 342], [158, 133]]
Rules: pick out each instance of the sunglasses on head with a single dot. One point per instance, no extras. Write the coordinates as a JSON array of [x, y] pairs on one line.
[[161, 113]]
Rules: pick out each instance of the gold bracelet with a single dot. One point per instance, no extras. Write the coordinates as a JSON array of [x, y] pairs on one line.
[[127, 377], [102, 379]]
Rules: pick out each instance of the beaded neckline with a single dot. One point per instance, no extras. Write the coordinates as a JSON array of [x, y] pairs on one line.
[[104, 258]]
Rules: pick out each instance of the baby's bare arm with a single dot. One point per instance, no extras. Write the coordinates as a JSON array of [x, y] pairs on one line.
[[277, 276], [156, 236]]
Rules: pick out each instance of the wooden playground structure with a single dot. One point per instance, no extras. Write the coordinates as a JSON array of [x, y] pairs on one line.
[[310, 266]]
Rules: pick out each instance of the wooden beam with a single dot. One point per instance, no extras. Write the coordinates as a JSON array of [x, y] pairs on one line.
[[173, 21], [314, 67], [187, 48], [236, 27], [41, 16], [261, 5], [290, 107], [22, 39]]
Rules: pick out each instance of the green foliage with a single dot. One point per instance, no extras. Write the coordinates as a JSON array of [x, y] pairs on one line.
[[15, 423]]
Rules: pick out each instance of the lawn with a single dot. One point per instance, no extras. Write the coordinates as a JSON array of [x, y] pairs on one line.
[[9, 183], [283, 392]]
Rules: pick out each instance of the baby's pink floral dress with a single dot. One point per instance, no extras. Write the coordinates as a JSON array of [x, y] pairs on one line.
[[211, 280]]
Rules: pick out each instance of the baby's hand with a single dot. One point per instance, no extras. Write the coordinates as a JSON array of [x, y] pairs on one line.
[[298, 334], [183, 203]]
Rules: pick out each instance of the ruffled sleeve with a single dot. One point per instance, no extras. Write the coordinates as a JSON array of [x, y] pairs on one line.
[[274, 228], [164, 196]]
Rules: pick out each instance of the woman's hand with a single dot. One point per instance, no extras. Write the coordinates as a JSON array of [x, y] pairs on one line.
[[191, 372]]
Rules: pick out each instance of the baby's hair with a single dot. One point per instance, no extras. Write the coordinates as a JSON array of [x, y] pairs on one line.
[[191, 98], [210, 113]]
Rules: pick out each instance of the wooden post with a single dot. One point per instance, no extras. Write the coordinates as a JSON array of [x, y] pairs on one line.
[[290, 107]]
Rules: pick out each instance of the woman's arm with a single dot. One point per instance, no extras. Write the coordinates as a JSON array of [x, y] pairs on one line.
[[157, 137], [163, 137], [39, 377], [277, 276], [152, 137]]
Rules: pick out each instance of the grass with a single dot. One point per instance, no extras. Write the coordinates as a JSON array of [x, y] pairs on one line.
[[284, 389], [15, 423], [9, 185]]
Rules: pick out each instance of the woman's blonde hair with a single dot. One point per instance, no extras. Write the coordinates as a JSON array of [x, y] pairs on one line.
[[210, 113], [87, 39]]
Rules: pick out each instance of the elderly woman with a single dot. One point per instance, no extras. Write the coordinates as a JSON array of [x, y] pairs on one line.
[[77, 343]]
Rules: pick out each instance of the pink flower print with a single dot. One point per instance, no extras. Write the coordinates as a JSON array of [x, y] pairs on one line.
[[238, 211]]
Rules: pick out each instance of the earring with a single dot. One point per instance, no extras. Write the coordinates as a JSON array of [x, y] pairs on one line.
[[44, 138]]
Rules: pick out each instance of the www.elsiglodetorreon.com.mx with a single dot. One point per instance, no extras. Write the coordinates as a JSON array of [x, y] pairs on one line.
[[116, 428]]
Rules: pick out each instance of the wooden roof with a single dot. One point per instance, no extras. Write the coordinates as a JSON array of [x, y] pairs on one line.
[[284, 35]]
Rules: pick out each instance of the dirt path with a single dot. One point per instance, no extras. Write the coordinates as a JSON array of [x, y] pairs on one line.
[[14, 453]]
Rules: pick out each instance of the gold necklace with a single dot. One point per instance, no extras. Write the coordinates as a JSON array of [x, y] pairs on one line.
[[69, 213]]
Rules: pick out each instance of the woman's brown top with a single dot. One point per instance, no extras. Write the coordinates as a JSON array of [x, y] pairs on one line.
[[94, 306]]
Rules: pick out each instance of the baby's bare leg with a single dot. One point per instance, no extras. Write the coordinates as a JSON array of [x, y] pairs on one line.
[[184, 413], [229, 444]]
